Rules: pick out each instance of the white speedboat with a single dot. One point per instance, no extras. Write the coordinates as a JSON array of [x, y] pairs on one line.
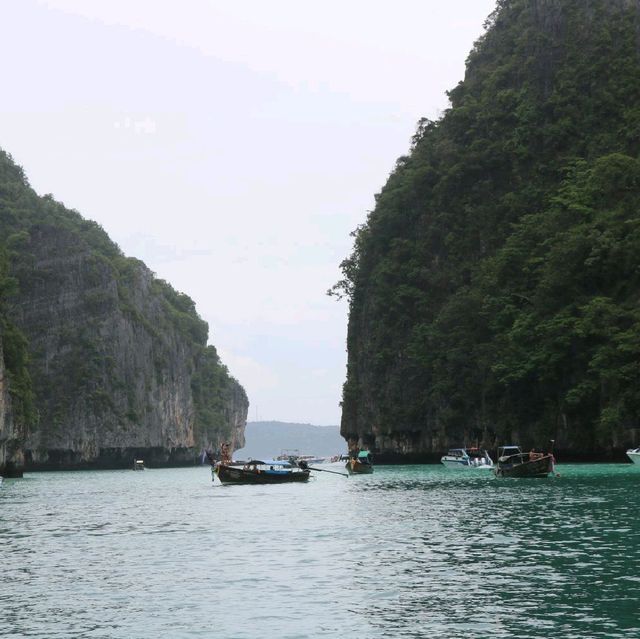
[[288, 455], [467, 459], [634, 455]]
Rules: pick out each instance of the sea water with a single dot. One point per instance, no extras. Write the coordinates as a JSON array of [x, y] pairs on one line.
[[410, 551]]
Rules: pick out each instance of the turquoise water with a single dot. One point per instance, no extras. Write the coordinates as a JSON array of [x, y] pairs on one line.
[[410, 551]]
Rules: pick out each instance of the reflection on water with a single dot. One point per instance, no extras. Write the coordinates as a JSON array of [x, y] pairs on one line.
[[413, 551]]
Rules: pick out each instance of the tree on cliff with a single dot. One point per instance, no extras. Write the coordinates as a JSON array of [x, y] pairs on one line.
[[494, 288]]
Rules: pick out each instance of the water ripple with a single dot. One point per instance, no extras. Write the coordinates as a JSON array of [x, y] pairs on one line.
[[406, 552]]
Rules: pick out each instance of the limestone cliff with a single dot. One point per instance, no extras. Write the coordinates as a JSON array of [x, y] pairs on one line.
[[11, 435], [494, 288], [119, 361]]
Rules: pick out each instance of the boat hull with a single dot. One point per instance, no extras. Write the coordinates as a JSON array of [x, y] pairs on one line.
[[634, 456], [456, 464], [541, 467], [356, 468], [236, 475]]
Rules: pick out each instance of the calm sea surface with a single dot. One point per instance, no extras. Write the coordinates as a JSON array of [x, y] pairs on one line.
[[410, 551]]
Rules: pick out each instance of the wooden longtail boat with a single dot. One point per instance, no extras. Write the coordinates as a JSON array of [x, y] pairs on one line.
[[512, 462], [257, 472], [360, 463]]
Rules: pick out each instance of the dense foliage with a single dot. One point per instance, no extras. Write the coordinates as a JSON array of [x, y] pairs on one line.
[[494, 290]]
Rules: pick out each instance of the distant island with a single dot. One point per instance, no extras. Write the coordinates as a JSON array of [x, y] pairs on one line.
[[266, 439]]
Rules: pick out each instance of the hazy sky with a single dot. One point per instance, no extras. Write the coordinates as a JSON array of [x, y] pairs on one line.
[[233, 146]]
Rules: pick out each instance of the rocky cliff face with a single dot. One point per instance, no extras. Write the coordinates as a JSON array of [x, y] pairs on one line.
[[493, 290], [11, 435], [119, 362], [112, 370]]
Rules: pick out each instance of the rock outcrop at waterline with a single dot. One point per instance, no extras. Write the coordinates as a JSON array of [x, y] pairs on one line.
[[119, 362], [494, 289]]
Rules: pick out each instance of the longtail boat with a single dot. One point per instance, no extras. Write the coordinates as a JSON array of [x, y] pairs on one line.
[[360, 463], [512, 462], [259, 472]]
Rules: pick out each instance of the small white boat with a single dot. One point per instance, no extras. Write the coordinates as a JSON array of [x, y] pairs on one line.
[[467, 459], [288, 455], [138, 464], [634, 455]]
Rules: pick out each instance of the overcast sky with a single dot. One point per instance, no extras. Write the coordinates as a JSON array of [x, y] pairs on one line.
[[233, 146]]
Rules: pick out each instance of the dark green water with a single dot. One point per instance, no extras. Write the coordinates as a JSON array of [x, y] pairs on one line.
[[413, 551]]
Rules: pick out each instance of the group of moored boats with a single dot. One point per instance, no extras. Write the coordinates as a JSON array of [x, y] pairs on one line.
[[281, 471], [511, 462]]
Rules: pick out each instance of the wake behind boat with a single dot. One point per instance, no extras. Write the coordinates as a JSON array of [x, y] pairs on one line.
[[466, 459]]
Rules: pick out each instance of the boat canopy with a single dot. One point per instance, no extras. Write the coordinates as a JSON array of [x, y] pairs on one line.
[[269, 462], [363, 454]]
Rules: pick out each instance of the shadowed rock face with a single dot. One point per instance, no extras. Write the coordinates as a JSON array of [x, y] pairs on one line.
[[11, 434]]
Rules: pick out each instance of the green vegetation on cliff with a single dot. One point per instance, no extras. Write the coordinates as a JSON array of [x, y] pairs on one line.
[[494, 290]]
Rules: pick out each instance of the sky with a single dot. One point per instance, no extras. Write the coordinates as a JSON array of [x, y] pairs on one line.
[[233, 146]]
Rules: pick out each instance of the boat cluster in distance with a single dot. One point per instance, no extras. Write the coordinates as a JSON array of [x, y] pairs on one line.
[[285, 468], [289, 466], [512, 461]]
